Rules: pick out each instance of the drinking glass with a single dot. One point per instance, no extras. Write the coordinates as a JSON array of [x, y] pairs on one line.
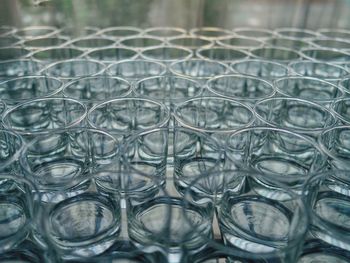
[[86, 43], [136, 69], [332, 43], [164, 32], [82, 226], [166, 54], [216, 116], [10, 53], [27, 251], [12, 145], [112, 54], [195, 153], [36, 31], [328, 197], [50, 55], [198, 69], [212, 33], [168, 224], [316, 250], [298, 115], [45, 42], [244, 43], [10, 41], [309, 88], [264, 69], [335, 143], [191, 42], [71, 69], [120, 31], [298, 33], [125, 116], [341, 107], [257, 33], [259, 228], [170, 90], [335, 33], [17, 68], [221, 54], [43, 116], [277, 54], [21, 89], [141, 42], [288, 42], [18, 210], [96, 89], [321, 70], [287, 156], [241, 87], [145, 156], [326, 55]]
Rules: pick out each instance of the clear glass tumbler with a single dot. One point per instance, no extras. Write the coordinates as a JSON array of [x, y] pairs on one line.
[[290, 158], [326, 55], [50, 55], [141, 42], [212, 33], [18, 68], [191, 42], [45, 42], [166, 54], [309, 88], [222, 54], [111, 54], [164, 32], [21, 89], [277, 54], [87, 43]]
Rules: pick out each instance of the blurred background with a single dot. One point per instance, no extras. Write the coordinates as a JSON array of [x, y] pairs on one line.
[[310, 14]]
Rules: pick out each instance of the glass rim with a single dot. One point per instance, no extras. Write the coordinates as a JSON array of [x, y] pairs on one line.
[[185, 124], [35, 78], [324, 148], [296, 30], [206, 60], [35, 52], [241, 76], [25, 41], [76, 80], [210, 42], [189, 55], [45, 131], [293, 64], [72, 42], [257, 40], [294, 77], [45, 69], [335, 30], [243, 52], [237, 31], [117, 63], [101, 31], [284, 49], [136, 87], [265, 61], [18, 41], [232, 251], [123, 39], [347, 41], [53, 30], [88, 53], [154, 102], [180, 30], [323, 49], [196, 32], [296, 129]]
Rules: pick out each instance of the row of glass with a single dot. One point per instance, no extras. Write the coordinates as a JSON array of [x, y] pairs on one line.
[[143, 160]]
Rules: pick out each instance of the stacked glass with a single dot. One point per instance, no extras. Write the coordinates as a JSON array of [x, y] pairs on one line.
[[163, 144]]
